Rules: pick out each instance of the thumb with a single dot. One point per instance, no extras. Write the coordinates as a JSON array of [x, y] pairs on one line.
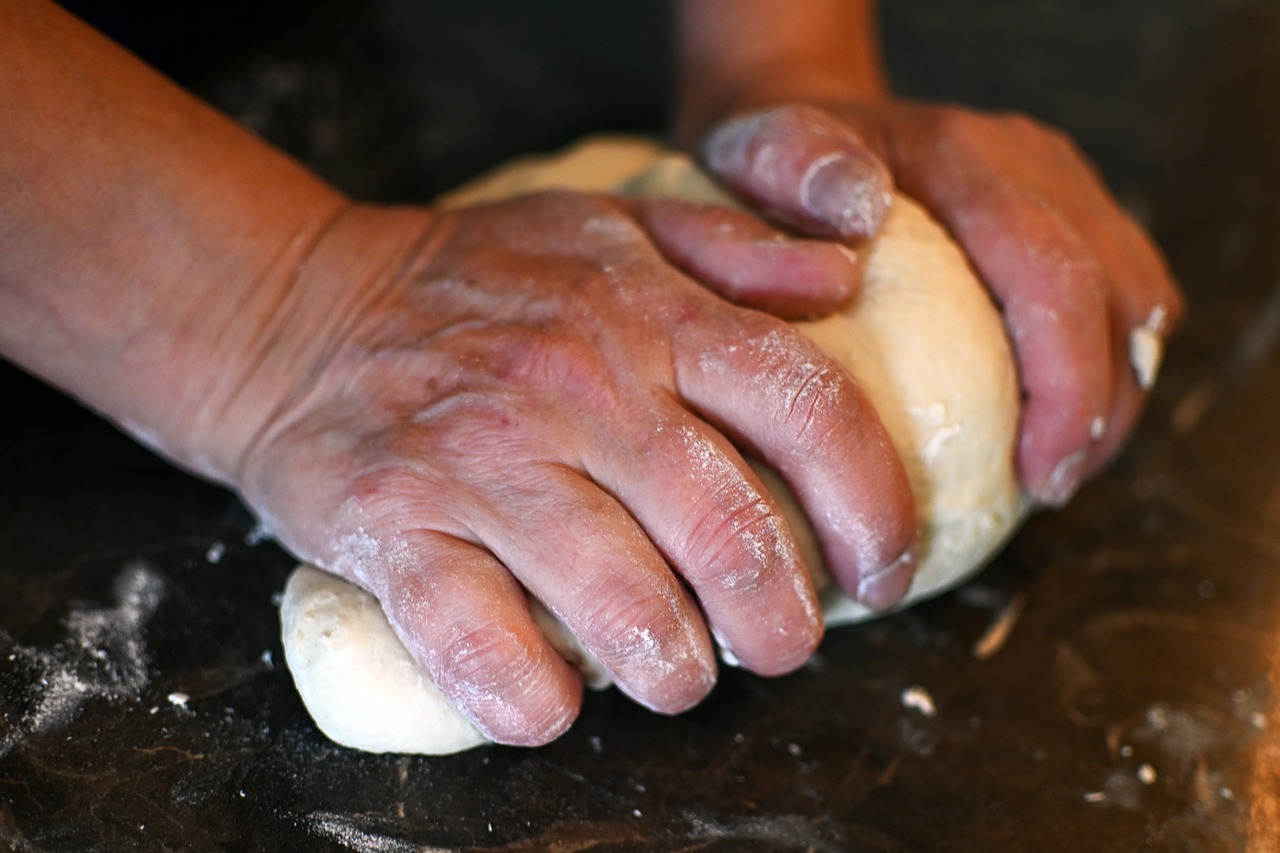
[[803, 167]]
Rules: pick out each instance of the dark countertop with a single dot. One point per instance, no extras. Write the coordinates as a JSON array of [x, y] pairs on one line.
[[1132, 704]]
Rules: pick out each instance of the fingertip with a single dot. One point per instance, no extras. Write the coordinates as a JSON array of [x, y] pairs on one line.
[[847, 192], [792, 651], [465, 620], [672, 681], [515, 689], [782, 631], [536, 725], [805, 168]]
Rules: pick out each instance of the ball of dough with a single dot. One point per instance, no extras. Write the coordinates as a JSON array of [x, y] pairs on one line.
[[922, 338]]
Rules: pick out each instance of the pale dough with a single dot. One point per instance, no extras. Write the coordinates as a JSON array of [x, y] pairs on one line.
[[922, 338]]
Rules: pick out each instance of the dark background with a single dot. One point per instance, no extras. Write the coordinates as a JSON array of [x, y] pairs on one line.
[[1132, 707]]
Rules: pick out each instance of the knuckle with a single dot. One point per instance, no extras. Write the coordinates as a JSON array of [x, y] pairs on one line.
[[816, 400], [1020, 123], [486, 660], [563, 362], [642, 635], [787, 119], [457, 435], [544, 363], [625, 620], [599, 220], [956, 125], [1011, 123], [731, 534], [380, 494], [810, 393], [736, 548], [503, 678], [815, 397]]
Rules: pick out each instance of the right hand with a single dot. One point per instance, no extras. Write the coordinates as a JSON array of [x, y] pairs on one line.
[[535, 400], [1080, 285]]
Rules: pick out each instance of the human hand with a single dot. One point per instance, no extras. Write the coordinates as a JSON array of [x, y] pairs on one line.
[[1086, 297], [525, 396]]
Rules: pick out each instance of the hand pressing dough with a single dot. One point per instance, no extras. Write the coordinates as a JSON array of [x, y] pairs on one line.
[[922, 338]]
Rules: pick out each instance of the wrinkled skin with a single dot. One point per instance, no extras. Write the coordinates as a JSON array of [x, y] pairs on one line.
[[453, 409], [536, 400], [1073, 274]]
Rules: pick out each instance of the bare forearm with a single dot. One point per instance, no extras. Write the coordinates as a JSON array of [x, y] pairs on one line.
[[146, 239], [739, 54]]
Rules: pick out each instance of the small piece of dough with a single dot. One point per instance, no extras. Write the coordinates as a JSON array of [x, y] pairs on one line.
[[360, 684], [923, 340]]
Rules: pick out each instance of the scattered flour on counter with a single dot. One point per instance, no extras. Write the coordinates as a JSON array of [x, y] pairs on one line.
[[103, 655], [918, 699], [343, 830]]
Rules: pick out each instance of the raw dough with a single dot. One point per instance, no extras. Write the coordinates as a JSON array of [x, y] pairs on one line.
[[923, 340]]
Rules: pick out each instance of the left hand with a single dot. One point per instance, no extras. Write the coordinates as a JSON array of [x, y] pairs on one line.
[[1086, 296]]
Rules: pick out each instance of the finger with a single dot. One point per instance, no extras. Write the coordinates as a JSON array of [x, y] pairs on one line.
[[804, 168], [751, 263], [464, 618], [717, 525], [1052, 291], [775, 393], [580, 554], [1143, 302], [1145, 308]]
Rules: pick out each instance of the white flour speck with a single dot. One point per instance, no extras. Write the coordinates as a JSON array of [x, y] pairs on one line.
[[257, 535], [356, 555], [940, 436], [343, 830], [918, 699]]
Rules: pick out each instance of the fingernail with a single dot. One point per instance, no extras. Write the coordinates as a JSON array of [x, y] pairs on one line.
[[886, 586], [1065, 480], [848, 194], [726, 148]]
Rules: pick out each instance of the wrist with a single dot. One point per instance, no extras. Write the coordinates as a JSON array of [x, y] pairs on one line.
[[156, 255], [304, 318], [771, 85], [739, 55]]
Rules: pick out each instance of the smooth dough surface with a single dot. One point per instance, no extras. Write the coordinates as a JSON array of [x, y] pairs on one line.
[[923, 340]]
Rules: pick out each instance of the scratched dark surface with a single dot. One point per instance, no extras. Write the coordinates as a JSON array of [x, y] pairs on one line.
[[142, 700]]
